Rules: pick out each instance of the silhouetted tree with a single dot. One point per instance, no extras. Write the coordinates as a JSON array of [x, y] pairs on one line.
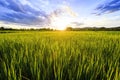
[[2, 28], [69, 29]]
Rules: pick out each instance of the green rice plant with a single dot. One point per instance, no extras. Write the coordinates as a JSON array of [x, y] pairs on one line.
[[67, 55]]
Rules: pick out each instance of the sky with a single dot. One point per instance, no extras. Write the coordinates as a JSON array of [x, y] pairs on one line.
[[59, 13]]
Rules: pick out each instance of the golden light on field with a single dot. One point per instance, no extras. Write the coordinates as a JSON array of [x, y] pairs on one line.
[[60, 23]]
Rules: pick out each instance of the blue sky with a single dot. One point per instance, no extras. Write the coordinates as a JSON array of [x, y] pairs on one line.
[[59, 13]]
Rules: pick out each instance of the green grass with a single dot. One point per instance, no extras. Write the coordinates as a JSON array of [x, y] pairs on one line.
[[61, 55]]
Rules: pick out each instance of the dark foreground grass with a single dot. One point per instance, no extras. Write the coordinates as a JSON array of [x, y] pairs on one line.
[[60, 56]]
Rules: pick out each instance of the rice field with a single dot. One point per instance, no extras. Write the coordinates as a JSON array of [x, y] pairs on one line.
[[60, 55]]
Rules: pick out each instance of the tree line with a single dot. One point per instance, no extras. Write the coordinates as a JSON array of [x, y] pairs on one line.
[[24, 29], [67, 29], [93, 29]]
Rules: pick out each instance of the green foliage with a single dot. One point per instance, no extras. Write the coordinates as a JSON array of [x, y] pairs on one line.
[[60, 56], [93, 29]]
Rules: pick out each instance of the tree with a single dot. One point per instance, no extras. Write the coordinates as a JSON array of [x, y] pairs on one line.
[[2, 28], [69, 29]]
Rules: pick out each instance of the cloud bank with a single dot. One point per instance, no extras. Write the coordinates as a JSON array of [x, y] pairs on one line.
[[16, 11], [108, 7], [29, 12]]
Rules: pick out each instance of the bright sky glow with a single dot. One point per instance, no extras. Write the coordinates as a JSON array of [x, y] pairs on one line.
[[60, 13]]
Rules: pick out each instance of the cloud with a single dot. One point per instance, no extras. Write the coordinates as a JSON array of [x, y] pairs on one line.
[[108, 7], [70, 11], [33, 12], [62, 11], [77, 23], [22, 12]]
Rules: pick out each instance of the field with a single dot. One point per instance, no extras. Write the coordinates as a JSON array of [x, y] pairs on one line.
[[60, 55]]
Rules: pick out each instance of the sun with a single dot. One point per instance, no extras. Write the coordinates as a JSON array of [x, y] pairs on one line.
[[60, 23]]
